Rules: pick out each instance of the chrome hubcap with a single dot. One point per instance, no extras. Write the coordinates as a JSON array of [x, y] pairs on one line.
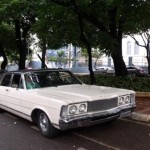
[[43, 122]]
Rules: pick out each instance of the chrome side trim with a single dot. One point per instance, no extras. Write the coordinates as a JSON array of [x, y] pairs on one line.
[[18, 113]]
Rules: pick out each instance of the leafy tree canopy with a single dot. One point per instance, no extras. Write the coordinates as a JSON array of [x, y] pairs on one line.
[[7, 40]]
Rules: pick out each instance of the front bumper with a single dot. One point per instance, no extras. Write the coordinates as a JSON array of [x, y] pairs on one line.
[[95, 118]]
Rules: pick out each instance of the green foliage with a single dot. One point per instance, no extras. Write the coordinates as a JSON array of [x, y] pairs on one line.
[[103, 20], [7, 36], [13, 57], [129, 82], [11, 10], [7, 39], [60, 59], [104, 23], [84, 52], [139, 17]]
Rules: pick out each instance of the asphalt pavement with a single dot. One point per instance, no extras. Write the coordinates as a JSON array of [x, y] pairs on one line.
[[142, 110]]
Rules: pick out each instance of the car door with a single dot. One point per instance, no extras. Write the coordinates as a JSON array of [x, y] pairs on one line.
[[4, 87], [14, 93]]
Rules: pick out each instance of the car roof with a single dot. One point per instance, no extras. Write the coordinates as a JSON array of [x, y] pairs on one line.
[[36, 70]]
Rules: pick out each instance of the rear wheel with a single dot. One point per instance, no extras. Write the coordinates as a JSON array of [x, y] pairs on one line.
[[45, 125]]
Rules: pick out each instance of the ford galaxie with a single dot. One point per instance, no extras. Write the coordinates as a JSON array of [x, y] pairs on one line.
[[56, 100]]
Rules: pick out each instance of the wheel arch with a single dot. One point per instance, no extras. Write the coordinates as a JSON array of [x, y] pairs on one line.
[[35, 112], [47, 130]]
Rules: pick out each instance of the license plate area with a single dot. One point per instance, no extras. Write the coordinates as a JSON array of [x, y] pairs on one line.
[[125, 114]]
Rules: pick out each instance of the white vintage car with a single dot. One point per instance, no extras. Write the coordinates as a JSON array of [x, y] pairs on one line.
[[56, 100]]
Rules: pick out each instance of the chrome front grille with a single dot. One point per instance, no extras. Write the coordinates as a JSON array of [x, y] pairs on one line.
[[100, 105]]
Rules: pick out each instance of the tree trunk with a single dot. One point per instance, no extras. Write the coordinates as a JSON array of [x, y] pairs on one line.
[[148, 60], [92, 77], [43, 53], [23, 52], [20, 46], [89, 50], [21, 43], [22, 58], [24, 49], [148, 56], [116, 51], [2, 53], [119, 64]]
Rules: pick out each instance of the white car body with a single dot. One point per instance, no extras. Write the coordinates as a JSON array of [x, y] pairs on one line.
[[59, 102]]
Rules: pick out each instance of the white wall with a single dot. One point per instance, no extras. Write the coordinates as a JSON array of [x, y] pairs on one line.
[[138, 54]]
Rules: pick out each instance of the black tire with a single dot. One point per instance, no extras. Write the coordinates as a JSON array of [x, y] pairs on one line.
[[45, 126], [1, 110]]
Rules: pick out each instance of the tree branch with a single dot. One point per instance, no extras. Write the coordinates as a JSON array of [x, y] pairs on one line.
[[89, 17], [137, 42], [143, 39]]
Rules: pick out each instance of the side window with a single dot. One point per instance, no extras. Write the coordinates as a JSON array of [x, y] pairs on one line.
[[16, 80], [6, 80], [31, 81]]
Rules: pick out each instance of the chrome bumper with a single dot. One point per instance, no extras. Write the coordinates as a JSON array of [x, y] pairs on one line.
[[95, 118]]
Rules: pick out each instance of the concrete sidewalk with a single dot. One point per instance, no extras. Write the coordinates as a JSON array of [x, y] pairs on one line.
[[142, 111]]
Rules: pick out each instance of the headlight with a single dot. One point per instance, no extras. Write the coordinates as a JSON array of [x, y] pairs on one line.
[[82, 108], [75, 109], [127, 99], [72, 109], [122, 100]]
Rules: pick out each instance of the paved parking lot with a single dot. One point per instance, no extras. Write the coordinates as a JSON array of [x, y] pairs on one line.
[[19, 134]]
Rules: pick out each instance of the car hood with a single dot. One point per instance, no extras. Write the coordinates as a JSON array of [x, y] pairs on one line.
[[80, 93]]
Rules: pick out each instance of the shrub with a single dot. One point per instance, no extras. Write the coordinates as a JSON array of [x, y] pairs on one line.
[[130, 82]]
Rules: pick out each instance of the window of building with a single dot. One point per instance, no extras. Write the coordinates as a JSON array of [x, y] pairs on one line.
[[128, 48], [136, 49], [149, 50]]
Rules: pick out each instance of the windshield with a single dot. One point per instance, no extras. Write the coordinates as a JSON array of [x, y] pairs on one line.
[[43, 79]]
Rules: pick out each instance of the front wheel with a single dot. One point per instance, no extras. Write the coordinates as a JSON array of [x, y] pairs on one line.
[[45, 125], [1, 110]]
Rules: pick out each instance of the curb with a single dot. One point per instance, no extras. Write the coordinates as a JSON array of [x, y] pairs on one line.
[[140, 117], [142, 94]]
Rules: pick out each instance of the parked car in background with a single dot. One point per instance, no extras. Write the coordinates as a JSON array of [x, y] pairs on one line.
[[2, 71], [134, 70], [105, 70], [56, 100]]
